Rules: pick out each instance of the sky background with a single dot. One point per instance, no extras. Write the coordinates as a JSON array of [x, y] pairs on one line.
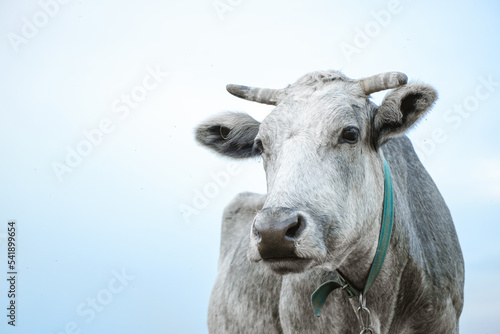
[[120, 240]]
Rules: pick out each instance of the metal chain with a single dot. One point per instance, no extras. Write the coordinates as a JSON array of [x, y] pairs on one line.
[[364, 316]]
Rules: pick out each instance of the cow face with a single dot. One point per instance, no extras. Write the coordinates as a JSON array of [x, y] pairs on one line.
[[320, 151]]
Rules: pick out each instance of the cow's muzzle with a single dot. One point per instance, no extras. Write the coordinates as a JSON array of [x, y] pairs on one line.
[[276, 232]]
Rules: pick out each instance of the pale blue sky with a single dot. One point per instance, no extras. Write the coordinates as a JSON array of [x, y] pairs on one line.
[[119, 210]]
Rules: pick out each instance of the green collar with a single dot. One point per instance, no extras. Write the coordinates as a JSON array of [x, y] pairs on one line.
[[318, 297]]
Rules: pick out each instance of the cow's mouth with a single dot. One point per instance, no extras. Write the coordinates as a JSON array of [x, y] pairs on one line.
[[288, 265]]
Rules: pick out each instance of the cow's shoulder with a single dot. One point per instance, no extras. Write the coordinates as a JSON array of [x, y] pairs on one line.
[[237, 220], [245, 297], [242, 209], [245, 202]]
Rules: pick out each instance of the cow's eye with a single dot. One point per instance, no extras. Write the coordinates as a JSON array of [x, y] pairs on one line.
[[349, 135], [258, 146]]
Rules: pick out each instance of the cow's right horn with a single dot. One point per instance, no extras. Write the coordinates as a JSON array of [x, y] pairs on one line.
[[261, 95], [383, 81]]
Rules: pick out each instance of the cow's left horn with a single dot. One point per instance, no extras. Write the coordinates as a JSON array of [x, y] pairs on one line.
[[383, 81], [261, 95]]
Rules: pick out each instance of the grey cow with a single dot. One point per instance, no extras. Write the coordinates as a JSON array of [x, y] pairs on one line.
[[322, 149]]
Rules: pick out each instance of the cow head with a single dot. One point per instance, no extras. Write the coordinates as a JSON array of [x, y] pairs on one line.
[[320, 151]]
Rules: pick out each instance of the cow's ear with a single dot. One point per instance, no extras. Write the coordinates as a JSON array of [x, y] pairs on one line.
[[401, 108], [231, 134]]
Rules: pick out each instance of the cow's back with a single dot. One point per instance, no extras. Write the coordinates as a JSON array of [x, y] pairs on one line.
[[434, 272]]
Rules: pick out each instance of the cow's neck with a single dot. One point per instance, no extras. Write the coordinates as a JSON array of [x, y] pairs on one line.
[[382, 296], [357, 264], [362, 268]]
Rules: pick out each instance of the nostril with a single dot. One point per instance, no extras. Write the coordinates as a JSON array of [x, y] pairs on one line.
[[294, 228], [292, 231], [256, 233]]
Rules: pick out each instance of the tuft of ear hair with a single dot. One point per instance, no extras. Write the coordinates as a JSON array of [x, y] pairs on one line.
[[231, 134], [400, 110]]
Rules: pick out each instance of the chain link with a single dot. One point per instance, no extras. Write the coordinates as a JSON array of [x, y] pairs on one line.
[[364, 316]]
